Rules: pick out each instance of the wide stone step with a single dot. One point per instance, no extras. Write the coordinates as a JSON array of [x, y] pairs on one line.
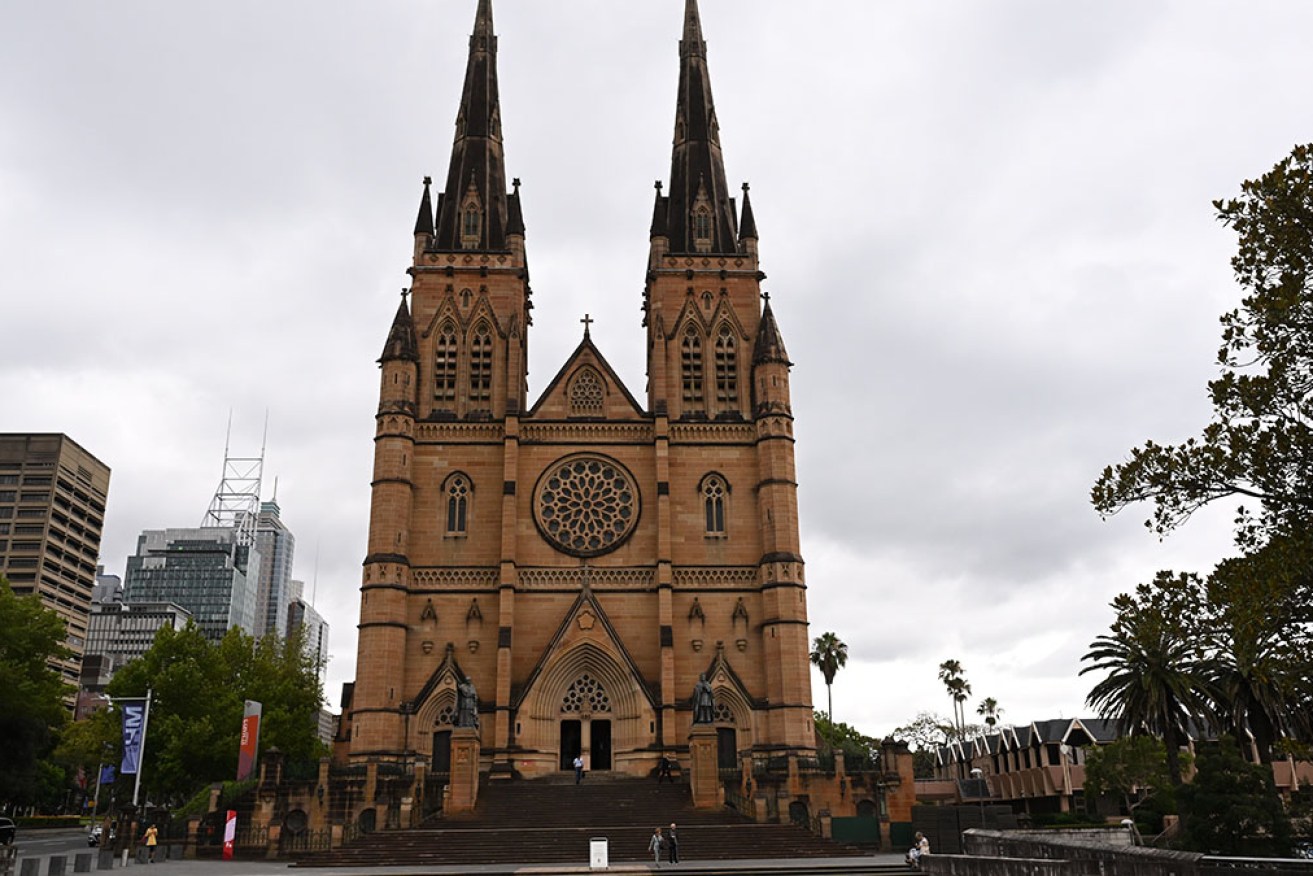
[[553, 822]]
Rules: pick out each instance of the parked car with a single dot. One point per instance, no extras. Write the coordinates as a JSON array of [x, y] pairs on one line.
[[8, 831], [94, 836]]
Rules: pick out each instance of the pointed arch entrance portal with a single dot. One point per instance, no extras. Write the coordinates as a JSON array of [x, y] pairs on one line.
[[586, 701]]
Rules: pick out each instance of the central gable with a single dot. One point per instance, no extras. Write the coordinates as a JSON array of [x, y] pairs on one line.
[[586, 388]]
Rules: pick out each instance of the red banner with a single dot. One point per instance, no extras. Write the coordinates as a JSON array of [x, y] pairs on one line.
[[250, 744]]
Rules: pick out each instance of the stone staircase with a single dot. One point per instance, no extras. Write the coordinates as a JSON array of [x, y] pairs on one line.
[[550, 821]]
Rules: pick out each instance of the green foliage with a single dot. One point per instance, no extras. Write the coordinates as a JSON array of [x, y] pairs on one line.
[[1232, 807], [857, 747], [1133, 767], [829, 655], [199, 692], [199, 804], [990, 711], [31, 694], [1261, 434], [1257, 621], [1158, 672]]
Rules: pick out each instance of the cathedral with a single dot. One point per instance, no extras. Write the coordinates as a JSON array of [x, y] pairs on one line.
[[581, 559]]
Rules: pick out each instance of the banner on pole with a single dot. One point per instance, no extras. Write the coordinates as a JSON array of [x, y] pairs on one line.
[[250, 743], [229, 834], [107, 774], [134, 723]]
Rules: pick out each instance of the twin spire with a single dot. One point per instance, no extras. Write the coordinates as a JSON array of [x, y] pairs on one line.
[[475, 211]]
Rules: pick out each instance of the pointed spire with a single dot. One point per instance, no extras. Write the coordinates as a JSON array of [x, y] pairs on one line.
[[477, 161], [515, 217], [748, 225], [770, 344], [401, 344], [693, 223], [659, 211], [424, 221]]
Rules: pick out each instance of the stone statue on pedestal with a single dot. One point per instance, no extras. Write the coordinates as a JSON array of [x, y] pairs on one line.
[[467, 705], [704, 702]]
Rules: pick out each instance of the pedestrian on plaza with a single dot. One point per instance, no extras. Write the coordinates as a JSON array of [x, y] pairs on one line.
[[578, 768], [655, 845], [672, 844], [151, 839]]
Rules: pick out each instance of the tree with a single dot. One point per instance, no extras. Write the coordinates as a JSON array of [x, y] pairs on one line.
[[952, 675], [1260, 439], [31, 693], [1132, 767], [1232, 807], [989, 710], [856, 746], [829, 654], [925, 734], [1158, 674], [199, 689], [1258, 616]]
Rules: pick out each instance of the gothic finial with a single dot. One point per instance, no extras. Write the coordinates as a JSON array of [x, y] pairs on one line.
[[404, 294], [745, 187], [658, 186], [515, 184], [428, 180]]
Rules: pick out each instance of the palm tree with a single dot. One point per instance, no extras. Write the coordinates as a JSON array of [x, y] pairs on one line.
[[990, 711], [951, 674], [1158, 677], [1255, 616], [829, 654]]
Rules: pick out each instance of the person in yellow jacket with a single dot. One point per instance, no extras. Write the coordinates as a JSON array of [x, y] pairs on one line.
[[151, 839]]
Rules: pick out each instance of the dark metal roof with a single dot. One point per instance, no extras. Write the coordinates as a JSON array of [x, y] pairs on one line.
[[477, 160], [747, 227], [424, 221], [401, 343], [697, 168], [770, 345]]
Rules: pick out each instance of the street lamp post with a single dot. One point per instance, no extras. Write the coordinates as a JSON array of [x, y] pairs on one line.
[[982, 788]]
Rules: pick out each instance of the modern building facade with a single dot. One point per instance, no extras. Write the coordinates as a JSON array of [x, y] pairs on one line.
[[206, 571], [52, 511], [277, 547], [124, 631], [583, 557], [108, 588], [302, 616]]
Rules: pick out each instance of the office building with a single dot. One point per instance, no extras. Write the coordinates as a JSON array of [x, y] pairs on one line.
[[206, 571]]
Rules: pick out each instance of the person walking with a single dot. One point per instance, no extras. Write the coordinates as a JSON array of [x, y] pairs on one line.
[[654, 845], [672, 844], [152, 838], [578, 768]]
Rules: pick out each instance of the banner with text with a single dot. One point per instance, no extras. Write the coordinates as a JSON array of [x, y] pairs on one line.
[[134, 722], [250, 743]]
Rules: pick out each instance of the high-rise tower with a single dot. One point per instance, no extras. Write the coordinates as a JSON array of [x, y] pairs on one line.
[[582, 559]]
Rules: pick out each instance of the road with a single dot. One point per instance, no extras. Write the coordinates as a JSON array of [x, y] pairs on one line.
[[44, 843]]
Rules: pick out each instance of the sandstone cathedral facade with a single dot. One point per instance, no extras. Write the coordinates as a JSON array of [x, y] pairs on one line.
[[582, 558]]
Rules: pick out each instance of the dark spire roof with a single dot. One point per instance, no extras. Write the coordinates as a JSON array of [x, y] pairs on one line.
[[515, 218], [658, 228], [424, 221], [477, 162], [697, 169], [770, 344], [748, 227], [401, 338]]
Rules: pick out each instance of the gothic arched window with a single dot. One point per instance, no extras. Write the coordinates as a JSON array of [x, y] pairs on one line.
[[691, 359], [458, 504], [481, 364], [714, 493], [702, 228], [727, 367], [444, 364]]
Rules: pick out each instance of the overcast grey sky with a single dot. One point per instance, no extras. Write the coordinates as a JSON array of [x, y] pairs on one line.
[[987, 227]]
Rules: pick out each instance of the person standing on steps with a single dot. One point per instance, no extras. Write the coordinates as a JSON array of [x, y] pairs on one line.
[[672, 844], [578, 768], [655, 844], [663, 770]]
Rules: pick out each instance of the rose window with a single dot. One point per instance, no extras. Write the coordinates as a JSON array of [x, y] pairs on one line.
[[586, 505], [447, 715]]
